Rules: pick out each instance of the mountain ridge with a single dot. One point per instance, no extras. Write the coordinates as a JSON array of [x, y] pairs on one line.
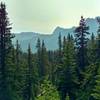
[[51, 40]]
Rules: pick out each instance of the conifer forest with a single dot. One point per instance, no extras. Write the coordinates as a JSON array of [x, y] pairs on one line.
[[72, 72]]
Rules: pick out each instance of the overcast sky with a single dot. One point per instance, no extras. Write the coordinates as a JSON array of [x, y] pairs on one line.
[[45, 15]]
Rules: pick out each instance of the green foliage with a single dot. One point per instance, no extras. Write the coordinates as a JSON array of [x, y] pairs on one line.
[[68, 73], [68, 78], [88, 82], [42, 60], [48, 92], [81, 43], [91, 51], [60, 49], [67, 97], [96, 90], [5, 48]]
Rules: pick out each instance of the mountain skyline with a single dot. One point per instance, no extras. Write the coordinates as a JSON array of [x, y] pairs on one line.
[[51, 40]]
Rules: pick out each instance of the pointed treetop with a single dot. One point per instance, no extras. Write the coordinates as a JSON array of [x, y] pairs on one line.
[[81, 17], [98, 20], [59, 34], [42, 42], [82, 21], [38, 39], [64, 38], [92, 36], [38, 43], [2, 5], [29, 47], [68, 36]]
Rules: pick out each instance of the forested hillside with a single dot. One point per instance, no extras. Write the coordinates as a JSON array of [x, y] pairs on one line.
[[72, 72]]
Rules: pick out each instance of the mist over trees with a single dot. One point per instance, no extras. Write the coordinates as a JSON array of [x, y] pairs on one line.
[[72, 72]]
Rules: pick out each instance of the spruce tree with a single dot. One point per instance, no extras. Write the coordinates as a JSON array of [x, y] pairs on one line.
[[28, 93], [5, 47], [30, 81], [96, 90], [92, 46], [52, 65], [64, 43], [38, 57], [81, 39], [68, 78], [44, 61], [98, 40], [48, 91], [60, 49], [19, 71], [17, 55], [67, 97]]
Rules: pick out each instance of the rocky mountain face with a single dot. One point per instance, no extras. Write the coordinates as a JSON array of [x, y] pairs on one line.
[[51, 40]]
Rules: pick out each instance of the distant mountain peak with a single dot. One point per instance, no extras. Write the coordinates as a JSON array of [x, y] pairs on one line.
[[51, 40]]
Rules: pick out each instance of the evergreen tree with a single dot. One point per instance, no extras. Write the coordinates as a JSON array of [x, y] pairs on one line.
[[17, 55], [48, 91], [98, 40], [52, 65], [92, 46], [60, 49], [96, 89], [38, 58], [81, 43], [28, 91], [58, 55], [64, 43], [88, 82], [67, 97], [13, 55], [30, 82], [44, 61], [68, 78], [19, 71], [5, 47]]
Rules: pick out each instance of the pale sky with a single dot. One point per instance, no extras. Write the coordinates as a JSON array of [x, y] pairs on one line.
[[45, 15]]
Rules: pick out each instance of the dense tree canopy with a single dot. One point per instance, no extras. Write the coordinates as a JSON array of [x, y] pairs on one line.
[[72, 72]]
